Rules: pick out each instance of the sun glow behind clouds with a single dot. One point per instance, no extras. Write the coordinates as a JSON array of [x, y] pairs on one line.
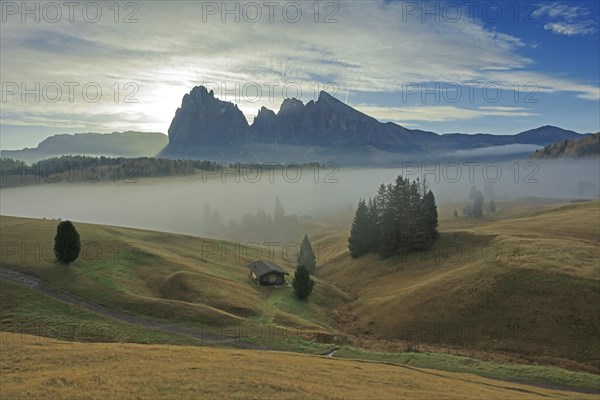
[[373, 49]]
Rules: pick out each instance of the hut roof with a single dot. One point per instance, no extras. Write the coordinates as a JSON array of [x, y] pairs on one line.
[[262, 268]]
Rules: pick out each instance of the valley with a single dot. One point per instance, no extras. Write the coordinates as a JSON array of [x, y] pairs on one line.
[[455, 302], [349, 200]]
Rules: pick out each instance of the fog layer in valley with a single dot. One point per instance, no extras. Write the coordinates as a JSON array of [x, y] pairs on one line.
[[205, 204]]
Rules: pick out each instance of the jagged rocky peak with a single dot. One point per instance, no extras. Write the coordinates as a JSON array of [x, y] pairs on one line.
[[291, 105], [265, 112], [198, 95], [204, 122], [204, 119], [324, 96]]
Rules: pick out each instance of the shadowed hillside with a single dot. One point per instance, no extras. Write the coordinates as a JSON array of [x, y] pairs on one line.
[[525, 284]]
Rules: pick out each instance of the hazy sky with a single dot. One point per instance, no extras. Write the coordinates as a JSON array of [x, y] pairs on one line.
[[500, 67]]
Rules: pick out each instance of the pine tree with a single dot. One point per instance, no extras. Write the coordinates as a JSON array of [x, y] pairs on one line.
[[418, 215], [431, 216], [380, 204], [306, 256], [302, 283], [401, 214], [373, 227], [455, 213], [492, 206], [358, 242], [67, 244], [390, 222]]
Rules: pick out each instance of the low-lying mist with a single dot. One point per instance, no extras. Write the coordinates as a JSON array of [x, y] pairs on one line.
[[241, 204]]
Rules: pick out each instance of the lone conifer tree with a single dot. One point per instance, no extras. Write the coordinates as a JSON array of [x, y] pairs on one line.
[[306, 256], [302, 283], [67, 244]]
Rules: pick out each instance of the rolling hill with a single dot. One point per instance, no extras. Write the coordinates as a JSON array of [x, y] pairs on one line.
[[199, 283], [516, 287], [526, 284]]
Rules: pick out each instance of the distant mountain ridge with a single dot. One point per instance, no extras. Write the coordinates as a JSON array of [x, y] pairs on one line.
[[325, 130], [205, 123], [116, 144]]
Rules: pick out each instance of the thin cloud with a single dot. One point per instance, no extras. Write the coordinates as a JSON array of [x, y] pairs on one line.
[[566, 19], [440, 113], [571, 29], [561, 11], [172, 49]]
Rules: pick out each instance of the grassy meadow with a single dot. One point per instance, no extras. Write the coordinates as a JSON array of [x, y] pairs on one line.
[[512, 296], [62, 370]]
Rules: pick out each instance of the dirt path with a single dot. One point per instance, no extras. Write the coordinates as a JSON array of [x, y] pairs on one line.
[[42, 287]]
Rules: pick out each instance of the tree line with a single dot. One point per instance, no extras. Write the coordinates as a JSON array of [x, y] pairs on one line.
[[401, 217], [77, 168], [587, 146]]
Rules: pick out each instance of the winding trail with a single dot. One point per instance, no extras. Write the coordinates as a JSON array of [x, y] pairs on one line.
[[40, 286]]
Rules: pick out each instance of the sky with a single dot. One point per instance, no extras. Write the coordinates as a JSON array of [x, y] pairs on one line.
[[445, 66]]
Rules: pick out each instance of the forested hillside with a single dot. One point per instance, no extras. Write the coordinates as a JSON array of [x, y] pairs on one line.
[[588, 146]]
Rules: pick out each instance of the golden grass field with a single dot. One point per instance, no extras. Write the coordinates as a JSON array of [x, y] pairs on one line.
[[47, 368]]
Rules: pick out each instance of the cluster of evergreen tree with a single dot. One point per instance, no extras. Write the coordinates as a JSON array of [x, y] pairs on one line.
[[587, 146], [401, 217], [95, 169], [263, 226], [476, 210], [78, 168]]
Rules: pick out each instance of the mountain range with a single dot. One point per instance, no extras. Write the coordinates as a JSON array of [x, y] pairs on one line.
[[116, 144], [205, 126], [325, 130]]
